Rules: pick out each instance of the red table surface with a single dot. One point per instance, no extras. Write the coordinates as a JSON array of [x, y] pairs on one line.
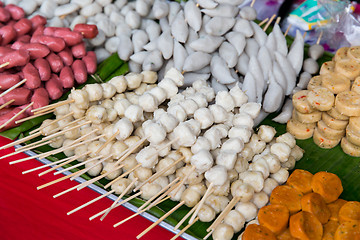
[[28, 213]]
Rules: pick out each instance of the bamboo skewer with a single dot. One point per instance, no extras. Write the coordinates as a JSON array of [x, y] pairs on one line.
[[319, 38], [55, 181], [54, 105], [46, 165], [227, 209], [160, 219], [252, 3], [138, 213], [13, 87], [25, 149], [130, 150], [88, 168], [263, 21], [184, 229], [107, 142], [4, 64], [22, 140], [90, 202], [118, 199], [77, 165], [16, 115], [7, 103], [287, 30], [117, 205], [55, 121], [71, 159], [46, 154], [122, 175], [202, 201], [278, 20], [185, 217], [269, 22]]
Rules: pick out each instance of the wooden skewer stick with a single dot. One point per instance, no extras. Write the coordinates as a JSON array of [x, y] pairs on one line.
[[46, 165], [46, 154], [185, 217], [55, 121], [223, 214], [55, 181], [54, 105], [287, 30], [155, 196], [130, 150], [25, 149], [13, 87], [184, 229], [138, 213], [90, 202], [87, 183], [269, 22], [70, 159], [252, 3], [183, 180], [4, 64], [78, 165], [160, 219], [319, 38], [263, 21], [304, 35], [202, 201], [208, 235], [7, 103], [107, 142], [118, 199], [32, 117], [278, 20], [65, 191], [123, 175], [88, 168], [158, 174], [117, 205], [16, 115], [19, 141]]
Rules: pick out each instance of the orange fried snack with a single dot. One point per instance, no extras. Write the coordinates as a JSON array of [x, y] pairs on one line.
[[257, 232], [287, 196], [305, 226], [285, 235], [334, 208], [274, 217], [329, 230], [328, 185], [350, 211], [315, 204], [301, 180], [348, 231]]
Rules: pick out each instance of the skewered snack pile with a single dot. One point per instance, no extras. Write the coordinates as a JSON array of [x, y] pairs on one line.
[[38, 63], [307, 207], [329, 109], [159, 143]]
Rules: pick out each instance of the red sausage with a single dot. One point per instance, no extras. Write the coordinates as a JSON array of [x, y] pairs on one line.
[[39, 31], [8, 34], [24, 38], [17, 45], [5, 50], [15, 58], [49, 31], [67, 77], [87, 30], [66, 56], [23, 26], [36, 50], [56, 64], [40, 98], [70, 38], [4, 15], [15, 11], [8, 80], [79, 70], [54, 43], [5, 111], [43, 68], [54, 87], [4, 118], [21, 96], [79, 50], [32, 76], [90, 62], [38, 21]]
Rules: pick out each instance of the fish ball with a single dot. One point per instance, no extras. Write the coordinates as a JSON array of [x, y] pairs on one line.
[[154, 132], [185, 135], [190, 197], [95, 168], [202, 161], [224, 99], [218, 203], [120, 83], [266, 133], [226, 159], [134, 113], [235, 219], [254, 179], [281, 150], [149, 190], [206, 213], [96, 114], [201, 143], [148, 102], [108, 167], [124, 127], [247, 209]]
